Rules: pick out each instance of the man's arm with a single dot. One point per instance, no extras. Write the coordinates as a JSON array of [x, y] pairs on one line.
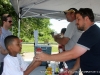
[[70, 31], [74, 53], [63, 40]]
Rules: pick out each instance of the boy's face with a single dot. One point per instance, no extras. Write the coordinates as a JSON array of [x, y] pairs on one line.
[[16, 46]]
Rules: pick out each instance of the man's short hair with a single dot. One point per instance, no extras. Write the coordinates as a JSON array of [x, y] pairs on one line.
[[73, 10], [86, 12], [8, 40], [4, 17]]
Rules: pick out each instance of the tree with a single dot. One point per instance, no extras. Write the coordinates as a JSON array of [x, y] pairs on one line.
[[28, 25], [6, 7]]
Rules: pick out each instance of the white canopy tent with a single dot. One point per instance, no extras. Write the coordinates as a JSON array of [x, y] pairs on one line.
[[52, 8]]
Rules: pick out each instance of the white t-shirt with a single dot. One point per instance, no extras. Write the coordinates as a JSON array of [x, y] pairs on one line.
[[14, 65], [73, 33]]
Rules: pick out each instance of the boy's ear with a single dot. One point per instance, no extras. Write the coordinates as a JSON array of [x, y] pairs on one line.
[[9, 47]]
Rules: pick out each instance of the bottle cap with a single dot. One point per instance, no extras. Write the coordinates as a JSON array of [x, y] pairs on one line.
[[61, 70], [60, 46], [38, 49], [49, 65]]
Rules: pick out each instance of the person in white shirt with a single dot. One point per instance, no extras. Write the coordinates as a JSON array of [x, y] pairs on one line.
[[13, 62], [70, 38]]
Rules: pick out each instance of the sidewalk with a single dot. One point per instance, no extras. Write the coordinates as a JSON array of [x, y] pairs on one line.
[[29, 57]]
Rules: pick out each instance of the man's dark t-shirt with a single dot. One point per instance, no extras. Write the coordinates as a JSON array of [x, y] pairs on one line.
[[90, 61]]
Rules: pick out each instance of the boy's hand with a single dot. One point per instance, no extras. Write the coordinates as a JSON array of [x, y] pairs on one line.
[[42, 56], [33, 59]]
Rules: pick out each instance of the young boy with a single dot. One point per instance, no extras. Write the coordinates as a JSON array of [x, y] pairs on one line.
[[13, 62]]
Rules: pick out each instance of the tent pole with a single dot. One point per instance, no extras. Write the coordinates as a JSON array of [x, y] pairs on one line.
[[18, 19], [19, 26]]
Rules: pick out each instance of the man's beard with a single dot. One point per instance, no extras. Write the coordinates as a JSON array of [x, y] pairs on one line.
[[81, 28]]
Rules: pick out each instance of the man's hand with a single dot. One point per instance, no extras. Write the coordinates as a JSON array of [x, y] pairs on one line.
[[2, 51], [71, 72], [57, 36], [0, 48], [42, 56]]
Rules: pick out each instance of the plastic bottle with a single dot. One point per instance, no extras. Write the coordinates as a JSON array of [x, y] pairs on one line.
[[46, 65], [65, 69], [60, 49], [56, 68], [49, 70], [61, 71]]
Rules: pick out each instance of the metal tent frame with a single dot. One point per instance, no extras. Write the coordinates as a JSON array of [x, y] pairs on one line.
[[51, 8]]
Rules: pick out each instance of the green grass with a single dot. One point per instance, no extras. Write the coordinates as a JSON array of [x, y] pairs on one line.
[[27, 48], [30, 48]]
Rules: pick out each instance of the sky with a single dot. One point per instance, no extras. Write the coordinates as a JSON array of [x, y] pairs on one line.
[[58, 25]]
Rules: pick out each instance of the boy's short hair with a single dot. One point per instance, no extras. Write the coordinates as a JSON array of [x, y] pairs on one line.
[[8, 40]]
